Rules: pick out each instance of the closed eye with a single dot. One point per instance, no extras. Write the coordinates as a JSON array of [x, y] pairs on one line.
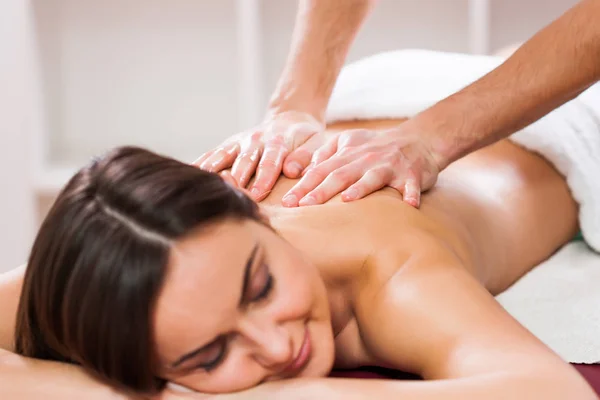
[[217, 358], [266, 289]]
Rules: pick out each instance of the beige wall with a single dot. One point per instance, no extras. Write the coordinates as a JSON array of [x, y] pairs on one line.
[[165, 75], [17, 120]]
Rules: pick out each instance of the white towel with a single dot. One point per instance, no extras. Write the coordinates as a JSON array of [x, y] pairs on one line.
[[559, 301]]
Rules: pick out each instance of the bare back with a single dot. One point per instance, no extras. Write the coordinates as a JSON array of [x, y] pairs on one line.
[[417, 301], [501, 209]]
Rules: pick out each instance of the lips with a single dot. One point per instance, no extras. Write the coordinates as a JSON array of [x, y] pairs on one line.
[[302, 358]]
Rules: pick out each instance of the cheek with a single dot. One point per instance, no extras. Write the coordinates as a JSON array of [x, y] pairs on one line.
[[298, 293]]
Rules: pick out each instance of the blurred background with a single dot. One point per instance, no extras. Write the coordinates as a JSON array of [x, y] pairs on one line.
[[78, 77]]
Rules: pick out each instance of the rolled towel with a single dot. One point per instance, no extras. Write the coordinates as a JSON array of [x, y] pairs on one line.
[[405, 82]]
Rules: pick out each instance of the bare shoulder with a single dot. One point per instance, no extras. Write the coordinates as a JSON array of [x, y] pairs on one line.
[[433, 318], [10, 291]]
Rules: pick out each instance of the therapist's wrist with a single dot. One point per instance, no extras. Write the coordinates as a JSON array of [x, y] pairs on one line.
[[448, 132], [431, 140], [300, 95], [287, 106]]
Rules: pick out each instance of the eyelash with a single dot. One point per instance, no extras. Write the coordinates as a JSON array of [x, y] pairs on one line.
[[215, 363], [264, 293]]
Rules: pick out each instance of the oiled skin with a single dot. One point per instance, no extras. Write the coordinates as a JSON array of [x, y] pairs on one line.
[[412, 289]]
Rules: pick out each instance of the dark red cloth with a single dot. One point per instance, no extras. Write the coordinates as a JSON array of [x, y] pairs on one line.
[[591, 372]]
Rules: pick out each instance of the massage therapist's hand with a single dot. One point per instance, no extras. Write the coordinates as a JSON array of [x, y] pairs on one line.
[[275, 145], [359, 162]]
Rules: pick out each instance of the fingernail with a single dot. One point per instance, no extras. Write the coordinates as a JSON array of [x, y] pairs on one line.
[[290, 200], [413, 202], [295, 168], [308, 201], [350, 194], [255, 192]]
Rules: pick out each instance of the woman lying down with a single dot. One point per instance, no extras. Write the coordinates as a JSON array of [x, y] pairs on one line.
[[149, 271]]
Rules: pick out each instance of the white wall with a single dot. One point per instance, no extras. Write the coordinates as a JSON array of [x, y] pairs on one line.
[[17, 119], [515, 20], [138, 72], [165, 75]]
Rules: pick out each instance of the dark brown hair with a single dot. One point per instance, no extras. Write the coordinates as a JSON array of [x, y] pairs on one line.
[[100, 257]]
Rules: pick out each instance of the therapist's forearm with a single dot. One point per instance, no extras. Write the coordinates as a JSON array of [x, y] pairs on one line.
[[26, 378], [551, 68], [323, 33]]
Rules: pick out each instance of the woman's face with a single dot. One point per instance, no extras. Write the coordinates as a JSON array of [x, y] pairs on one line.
[[241, 306]]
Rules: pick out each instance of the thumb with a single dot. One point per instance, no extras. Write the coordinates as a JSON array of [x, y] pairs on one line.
[[297, 161], [300, 157]]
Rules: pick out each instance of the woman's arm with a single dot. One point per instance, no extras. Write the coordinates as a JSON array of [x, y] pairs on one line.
[[434, 319], [10, 291], [25, 378]]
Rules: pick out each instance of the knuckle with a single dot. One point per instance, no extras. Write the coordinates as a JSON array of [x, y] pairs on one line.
[[267, 163], [316, 174], [397, 159], [247, 156], [277, 140], [345, 152], [256, 136], [273, 147], [318, 195], [378, 173], [372, 157], [341, 175]]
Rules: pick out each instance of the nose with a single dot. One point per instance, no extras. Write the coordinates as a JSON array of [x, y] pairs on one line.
[[272, 345]]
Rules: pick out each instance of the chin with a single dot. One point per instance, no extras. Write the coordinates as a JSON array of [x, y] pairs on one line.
[[323, 358]]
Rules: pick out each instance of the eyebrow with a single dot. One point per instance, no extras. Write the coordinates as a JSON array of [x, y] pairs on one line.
[[245, 283]]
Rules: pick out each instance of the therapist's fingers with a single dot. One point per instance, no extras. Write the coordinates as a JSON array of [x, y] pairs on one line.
[[371, 181], [313, 178], [296, 162], [337, 181], [229, 179], [411, 192], [302, 148], [325, 152], [303, 157], [245, 165], [198, 162], [269, 168], [221, 158]]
